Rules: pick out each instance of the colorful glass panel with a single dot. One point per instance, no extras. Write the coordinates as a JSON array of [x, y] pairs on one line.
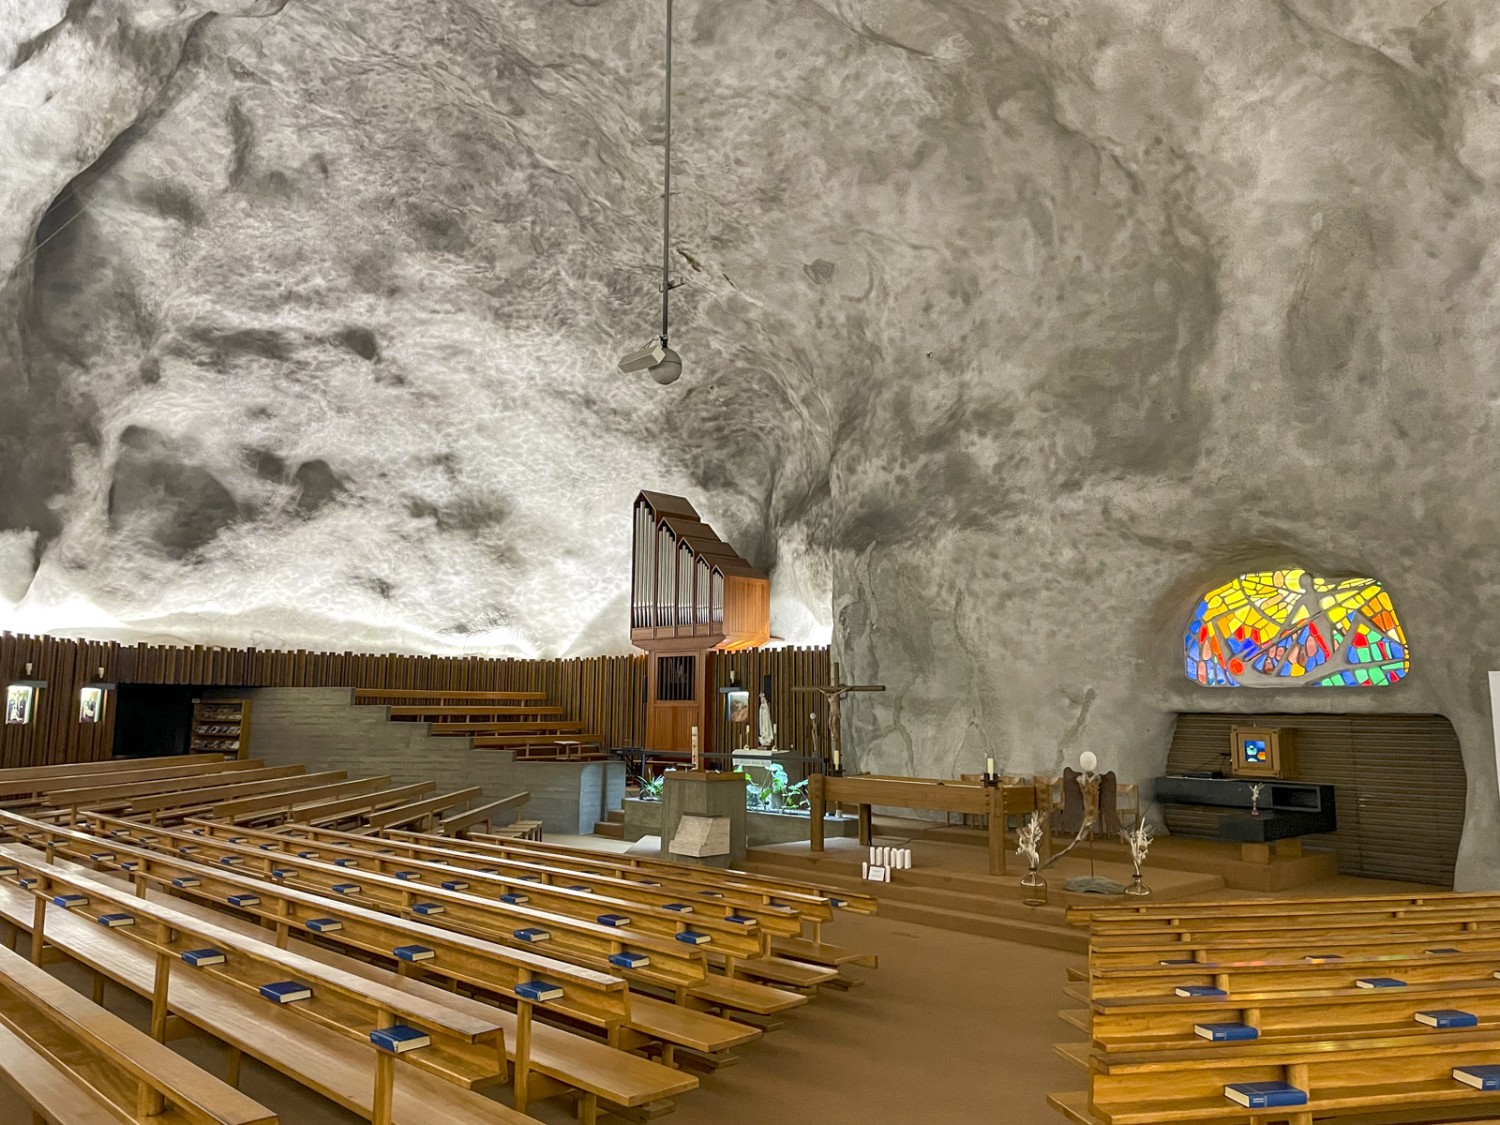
[[1287, 628]]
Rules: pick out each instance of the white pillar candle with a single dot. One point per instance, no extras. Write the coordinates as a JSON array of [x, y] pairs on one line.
[[989, 766], [864, 870]]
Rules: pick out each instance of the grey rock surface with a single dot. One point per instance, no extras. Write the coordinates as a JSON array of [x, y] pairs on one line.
[[1009, 328]]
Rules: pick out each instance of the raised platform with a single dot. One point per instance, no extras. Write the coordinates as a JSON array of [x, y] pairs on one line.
[[949, 885]]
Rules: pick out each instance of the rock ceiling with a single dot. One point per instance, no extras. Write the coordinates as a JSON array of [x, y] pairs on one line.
[[1009, 328]]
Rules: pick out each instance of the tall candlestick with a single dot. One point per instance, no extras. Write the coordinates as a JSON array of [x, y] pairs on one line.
[[989, 767], [697, 758]]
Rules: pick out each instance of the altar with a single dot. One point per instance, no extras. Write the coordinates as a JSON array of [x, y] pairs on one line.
[[868, 790]]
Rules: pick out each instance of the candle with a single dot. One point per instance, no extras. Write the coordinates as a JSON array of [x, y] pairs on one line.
[[989, 767], [835, 758], [697, 759]]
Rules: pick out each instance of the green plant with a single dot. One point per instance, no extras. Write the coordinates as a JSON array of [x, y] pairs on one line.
[[651, 789], [776, 791]]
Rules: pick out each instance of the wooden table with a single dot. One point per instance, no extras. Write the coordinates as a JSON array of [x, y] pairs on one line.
[[867, 790]]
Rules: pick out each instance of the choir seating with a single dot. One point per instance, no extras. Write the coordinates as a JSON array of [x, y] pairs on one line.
[[519, 721], [72, 1061], [1290, 969]]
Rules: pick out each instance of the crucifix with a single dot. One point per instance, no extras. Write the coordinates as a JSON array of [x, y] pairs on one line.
[[832, 694]]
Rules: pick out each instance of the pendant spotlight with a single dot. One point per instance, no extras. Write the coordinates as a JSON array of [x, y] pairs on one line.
[[663, 364]]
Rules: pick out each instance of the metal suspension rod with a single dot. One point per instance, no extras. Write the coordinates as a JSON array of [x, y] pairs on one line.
[[666, 197]]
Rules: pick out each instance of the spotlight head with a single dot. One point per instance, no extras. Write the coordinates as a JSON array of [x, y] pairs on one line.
[[669, 370], [643, 359]]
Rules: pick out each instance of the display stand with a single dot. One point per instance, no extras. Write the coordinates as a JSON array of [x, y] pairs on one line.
[[696, 793], [221, 725]]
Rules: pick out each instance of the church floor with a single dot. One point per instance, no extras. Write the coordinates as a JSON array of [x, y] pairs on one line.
[[951, 1029]]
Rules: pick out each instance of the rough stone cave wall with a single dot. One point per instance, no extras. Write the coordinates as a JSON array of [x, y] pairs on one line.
[[1009, 327]]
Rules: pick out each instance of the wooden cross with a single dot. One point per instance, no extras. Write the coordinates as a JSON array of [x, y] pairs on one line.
[[832, 694]]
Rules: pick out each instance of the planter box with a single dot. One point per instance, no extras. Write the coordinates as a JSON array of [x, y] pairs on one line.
[[643, 818]]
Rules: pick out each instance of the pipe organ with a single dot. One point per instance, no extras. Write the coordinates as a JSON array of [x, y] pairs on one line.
[[690, 594]]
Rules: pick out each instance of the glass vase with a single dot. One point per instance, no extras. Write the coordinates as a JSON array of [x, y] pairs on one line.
[[1137, 889], [1034, 891]]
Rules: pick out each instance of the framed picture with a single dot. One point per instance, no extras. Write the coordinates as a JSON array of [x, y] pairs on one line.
[[20, 699], [738, 703], [1261, 752], [91, 704]]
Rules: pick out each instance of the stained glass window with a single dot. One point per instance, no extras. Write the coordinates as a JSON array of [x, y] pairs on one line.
[[1286, 628]]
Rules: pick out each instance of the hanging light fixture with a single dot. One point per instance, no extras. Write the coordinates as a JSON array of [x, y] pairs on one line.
[[658, 358]]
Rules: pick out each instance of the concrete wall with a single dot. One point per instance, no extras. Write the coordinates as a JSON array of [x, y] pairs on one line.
[[322, 729]]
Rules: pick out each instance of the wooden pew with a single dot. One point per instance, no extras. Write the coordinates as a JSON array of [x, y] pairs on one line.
[[194, 802], [28, 784], [458, 858], [334, 812], [73, 1061], [672, 964], [459, 823], [315, 1056], [597, 1000], [465, 1052], [119, 794], [1293, 974], [276, 806], [424, 811]]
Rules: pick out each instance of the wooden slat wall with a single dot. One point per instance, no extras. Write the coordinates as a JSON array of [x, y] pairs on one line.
[[605, 693], [788, 668], [1400, 781]]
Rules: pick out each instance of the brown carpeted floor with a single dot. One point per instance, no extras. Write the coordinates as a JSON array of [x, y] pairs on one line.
[[950, 1029]]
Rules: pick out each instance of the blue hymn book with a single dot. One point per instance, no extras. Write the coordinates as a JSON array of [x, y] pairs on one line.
[[1225, 1032], [399, 1039], [1202, 990], [286, 991], [1447, 1017], [1380, 982], [539, 991], [1265, 1095], [1482, 1077]]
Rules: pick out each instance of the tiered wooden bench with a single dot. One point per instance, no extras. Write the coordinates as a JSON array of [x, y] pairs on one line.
[[547, 1060], [1356, 1050], [74, 1062], [521, 721]]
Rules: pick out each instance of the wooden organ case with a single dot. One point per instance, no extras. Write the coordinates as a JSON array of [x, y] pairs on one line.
[[690, 594]]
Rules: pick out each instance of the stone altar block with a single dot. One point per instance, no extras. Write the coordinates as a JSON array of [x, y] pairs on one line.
[[698, 793]]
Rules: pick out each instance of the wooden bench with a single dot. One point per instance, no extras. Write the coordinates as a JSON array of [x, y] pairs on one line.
[[277, 806], [72, 1061], [424, 811], [459, 823], [464, 1052], [308, 1053], [589, 998], [118, 794], [30, 782], [457, 857]]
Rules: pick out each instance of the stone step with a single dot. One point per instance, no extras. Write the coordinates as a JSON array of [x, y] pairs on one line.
[[610, 829]]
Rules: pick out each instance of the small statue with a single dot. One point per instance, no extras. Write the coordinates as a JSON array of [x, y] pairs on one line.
[[1255, 792], [767, 733]]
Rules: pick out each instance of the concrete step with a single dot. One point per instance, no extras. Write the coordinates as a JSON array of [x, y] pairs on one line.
[[610, 829], [615, 816]]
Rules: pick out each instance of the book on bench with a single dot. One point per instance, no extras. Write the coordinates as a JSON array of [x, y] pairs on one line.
[[201, 958], [455, 885], [538, 990], [413, 953], [324, 925], [1265, 1095], [244, 900], [680, 907], [1225, 1032], [286, 991], [426, 908], [1481, 1077], [231, 860], [184, 881], [102, 857], [615, 920], [1199, 990], [1380, 982], [307, 855], [7, 869], [1441, 949], [282, 872], [515, 900], [1177, 961], [531, 934], [1323, 958], [113, 920], [581, 887], [627, 960], [346, 888], [345, 861], [692, 937], [399, 1039], [409, 876], [1446, 1018], [68, 902]]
